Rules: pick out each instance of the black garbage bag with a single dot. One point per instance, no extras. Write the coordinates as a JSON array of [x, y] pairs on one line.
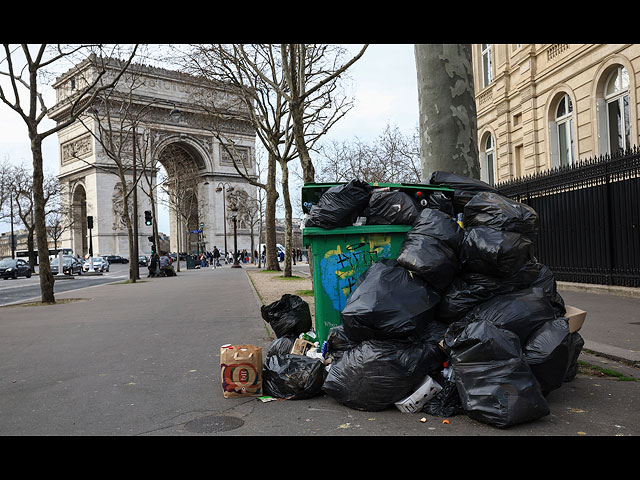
[[445, 403], [340, 206], [520, 312], [281, 346], [288, 316], [430, 248], [502, 213], [459, 298], [391, 208], [576, 342], [464, 188], [519, 280], [375, 374], [430, 259], [495, 384], [494, 252], [439, 201], [388, 302], [547, 353], [294, 377], [547, 281], [470, 289], [437, 224], [338, 342]]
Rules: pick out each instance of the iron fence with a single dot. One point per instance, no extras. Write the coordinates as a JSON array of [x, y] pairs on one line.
[[589, 218]]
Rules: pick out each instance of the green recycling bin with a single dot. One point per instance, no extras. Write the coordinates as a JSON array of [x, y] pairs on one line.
[[339, 256]]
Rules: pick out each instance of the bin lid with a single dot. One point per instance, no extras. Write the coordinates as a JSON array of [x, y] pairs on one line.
[[311, 192], [310, 232]]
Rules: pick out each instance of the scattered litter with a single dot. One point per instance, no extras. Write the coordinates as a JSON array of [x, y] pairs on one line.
[[345, 425], [445, 421], [266, 399], [423, 420]]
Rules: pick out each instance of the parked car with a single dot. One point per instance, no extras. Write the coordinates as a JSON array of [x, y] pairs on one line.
[[99, 264], [115, 259], [70, 265], [142, 261], [14, 268]]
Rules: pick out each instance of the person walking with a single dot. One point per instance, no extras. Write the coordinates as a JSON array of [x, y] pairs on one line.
[[216, 257]]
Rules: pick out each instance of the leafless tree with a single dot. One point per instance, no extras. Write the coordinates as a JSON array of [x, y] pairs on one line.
[[25, 66], [391, 158]]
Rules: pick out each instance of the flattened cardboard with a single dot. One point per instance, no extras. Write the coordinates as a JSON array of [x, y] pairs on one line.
[[576, 318]]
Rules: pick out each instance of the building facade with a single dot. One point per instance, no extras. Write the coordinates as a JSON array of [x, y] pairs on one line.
[[541, 106]]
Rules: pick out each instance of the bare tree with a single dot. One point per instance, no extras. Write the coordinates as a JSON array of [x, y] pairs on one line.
[[312, 72], [21, 187], [391, 158], [36, 61]]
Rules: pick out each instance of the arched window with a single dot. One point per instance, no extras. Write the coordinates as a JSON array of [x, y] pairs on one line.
[[488, 161], [564, 125], [616, 96]]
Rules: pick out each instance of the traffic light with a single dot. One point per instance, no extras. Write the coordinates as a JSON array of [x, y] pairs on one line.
[[89, 222], [147, 218]]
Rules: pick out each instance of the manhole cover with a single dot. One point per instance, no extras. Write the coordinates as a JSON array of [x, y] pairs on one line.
[[213, 423]]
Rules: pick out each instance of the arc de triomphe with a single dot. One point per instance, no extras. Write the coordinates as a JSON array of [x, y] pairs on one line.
[[175, 131]]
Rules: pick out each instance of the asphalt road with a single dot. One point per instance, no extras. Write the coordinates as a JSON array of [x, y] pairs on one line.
[[24, 289]]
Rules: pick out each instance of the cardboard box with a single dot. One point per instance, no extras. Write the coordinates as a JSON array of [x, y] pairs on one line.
[[301, 346], [241, 370], [576, 318]]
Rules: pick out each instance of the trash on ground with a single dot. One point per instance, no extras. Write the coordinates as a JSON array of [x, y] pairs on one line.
[[465, 321], [241, 370], [288, 316]]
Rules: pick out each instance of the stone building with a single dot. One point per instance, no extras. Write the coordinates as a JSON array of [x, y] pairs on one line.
[[173, 129], [540, 106]]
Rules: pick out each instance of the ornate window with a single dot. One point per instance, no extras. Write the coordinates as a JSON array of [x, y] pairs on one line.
[[564, 125], [616, 96], [487, 157], [487, 69]]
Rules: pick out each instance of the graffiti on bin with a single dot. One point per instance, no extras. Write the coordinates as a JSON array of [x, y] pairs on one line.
[[341, 267]]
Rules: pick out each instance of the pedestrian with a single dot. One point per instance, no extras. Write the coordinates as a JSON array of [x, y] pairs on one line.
[[154, 266], [216, 257], [293, 255], [166, 266]]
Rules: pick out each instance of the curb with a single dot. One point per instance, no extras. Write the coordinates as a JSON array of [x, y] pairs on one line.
[[594, 288]]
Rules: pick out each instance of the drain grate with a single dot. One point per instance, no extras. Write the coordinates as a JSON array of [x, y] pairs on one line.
[[213, 424]]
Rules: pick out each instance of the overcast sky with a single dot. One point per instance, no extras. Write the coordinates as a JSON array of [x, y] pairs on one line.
[[385, 88]]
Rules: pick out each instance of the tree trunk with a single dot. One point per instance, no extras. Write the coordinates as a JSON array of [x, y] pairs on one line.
[[287, 219], [271, 260], [447, 109], [46, 277]]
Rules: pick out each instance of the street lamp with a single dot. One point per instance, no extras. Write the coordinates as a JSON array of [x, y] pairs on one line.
[[234, 215], [224, 188]]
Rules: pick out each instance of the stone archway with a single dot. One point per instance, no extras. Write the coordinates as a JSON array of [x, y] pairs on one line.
[[184, 168], [79, 221]]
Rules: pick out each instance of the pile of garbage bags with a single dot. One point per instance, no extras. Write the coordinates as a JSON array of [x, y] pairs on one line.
[[464, 321]]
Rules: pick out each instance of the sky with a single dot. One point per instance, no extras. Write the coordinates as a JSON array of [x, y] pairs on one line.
[[384, 85]]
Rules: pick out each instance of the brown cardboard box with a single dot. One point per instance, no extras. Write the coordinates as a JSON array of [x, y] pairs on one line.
[[301, 346], [241, 370], [576, 318]]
